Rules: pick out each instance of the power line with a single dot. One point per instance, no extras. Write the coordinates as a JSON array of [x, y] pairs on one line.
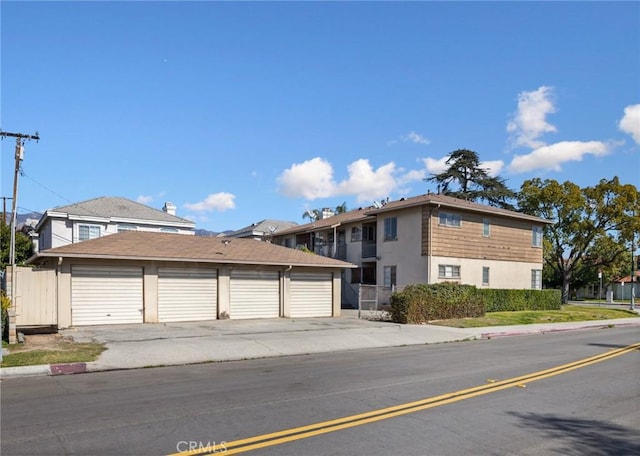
[[46, 188]]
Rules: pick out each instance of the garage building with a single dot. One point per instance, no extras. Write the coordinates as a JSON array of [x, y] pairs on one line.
[[143, 277]]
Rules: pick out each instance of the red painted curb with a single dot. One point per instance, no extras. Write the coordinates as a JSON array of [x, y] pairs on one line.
[[69, 368]]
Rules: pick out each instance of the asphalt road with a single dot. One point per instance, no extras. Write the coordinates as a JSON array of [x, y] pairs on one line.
[[584, 409]]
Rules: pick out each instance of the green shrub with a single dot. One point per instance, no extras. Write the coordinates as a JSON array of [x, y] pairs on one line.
[[498, 300], [423, 303]]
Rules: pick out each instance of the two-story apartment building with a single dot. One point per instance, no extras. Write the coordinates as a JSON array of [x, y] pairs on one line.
[[102, 216], [429, 239]]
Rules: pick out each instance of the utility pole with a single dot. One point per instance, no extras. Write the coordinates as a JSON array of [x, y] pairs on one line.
[[19, 156], [21, 138], [4, 208]]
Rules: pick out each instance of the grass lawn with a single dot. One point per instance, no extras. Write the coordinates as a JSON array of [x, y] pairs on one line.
[[49, 349], [568, 313]]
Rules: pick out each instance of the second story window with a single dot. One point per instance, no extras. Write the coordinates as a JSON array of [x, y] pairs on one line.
[[536, 236], [169, 230], [86, 232], [486, 227], [356, 234], [448, 219], [368, 233], [126, 227], [391, 229]]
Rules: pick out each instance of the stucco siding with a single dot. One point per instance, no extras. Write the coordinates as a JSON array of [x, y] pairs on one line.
[[404, 253], [502, 274]]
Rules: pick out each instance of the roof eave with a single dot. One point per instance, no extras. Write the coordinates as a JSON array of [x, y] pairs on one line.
[[487, 210], [94, 256]]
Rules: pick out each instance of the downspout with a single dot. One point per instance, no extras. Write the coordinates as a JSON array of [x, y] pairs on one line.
[[430, 252], [335, 240]]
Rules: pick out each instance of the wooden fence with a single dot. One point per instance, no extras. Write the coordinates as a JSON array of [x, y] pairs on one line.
[[35, 296]]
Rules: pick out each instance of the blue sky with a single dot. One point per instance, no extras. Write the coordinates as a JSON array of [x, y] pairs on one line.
[[243, 111]]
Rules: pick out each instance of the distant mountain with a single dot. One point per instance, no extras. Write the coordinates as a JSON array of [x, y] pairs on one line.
[[22, 217], [206, 233]]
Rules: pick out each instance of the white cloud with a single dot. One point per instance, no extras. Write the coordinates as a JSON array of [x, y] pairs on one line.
[[630, 122], [415, 138], [214, 202], [435, 166], [493, 167], [313, 179], [367, 184], [310, 179], [412, 176], [552, 157], [529, 122], [144, 199]]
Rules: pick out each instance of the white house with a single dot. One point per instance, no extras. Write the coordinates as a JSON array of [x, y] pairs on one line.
[[102, 216]]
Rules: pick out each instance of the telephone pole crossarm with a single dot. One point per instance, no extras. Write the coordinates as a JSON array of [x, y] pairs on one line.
[[19, 136]]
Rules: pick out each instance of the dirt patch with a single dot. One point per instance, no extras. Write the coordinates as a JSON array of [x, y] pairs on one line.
[[42, 342]]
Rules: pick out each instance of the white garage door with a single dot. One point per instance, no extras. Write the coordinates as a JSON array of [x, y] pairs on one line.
[[311, 295], [255, 294], [103, 295], [187, 294]]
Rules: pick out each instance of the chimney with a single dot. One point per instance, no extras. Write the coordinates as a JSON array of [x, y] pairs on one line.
[[326, 213], [169, 208]]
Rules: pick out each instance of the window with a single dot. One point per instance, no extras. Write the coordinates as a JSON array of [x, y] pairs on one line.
[[536, 238], [86, 232], [356, 234], [389, 276], [536, 279], [486, 227], [368, 233], [448, 219], [391, 229], [356, 275], [169, 230], [485, 275], [448, 271], [126, 227]]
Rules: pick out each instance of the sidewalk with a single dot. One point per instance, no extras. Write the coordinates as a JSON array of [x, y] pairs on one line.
[[147, 345]]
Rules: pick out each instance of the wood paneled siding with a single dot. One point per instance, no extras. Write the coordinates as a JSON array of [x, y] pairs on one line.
[[509, 239]]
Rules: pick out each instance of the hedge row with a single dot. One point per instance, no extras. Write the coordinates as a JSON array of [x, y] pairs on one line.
[[513, 300], [423, 303]]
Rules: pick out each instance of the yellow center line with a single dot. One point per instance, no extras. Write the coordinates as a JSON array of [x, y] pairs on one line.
[[324, 427]]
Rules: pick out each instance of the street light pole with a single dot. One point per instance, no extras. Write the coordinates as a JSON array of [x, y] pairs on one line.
[[633, 274]]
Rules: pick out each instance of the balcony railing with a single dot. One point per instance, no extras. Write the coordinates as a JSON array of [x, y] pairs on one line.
[[369, 250]]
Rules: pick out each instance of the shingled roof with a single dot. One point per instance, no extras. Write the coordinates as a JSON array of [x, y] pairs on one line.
[[356, 215], [369, 213], [140, 245], [451, 202], [116, 207]]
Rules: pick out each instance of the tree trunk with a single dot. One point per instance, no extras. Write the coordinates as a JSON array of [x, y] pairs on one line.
[[565, 288]]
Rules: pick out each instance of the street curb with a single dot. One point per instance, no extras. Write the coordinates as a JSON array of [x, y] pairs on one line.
[[495, 335], [25, 371]]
